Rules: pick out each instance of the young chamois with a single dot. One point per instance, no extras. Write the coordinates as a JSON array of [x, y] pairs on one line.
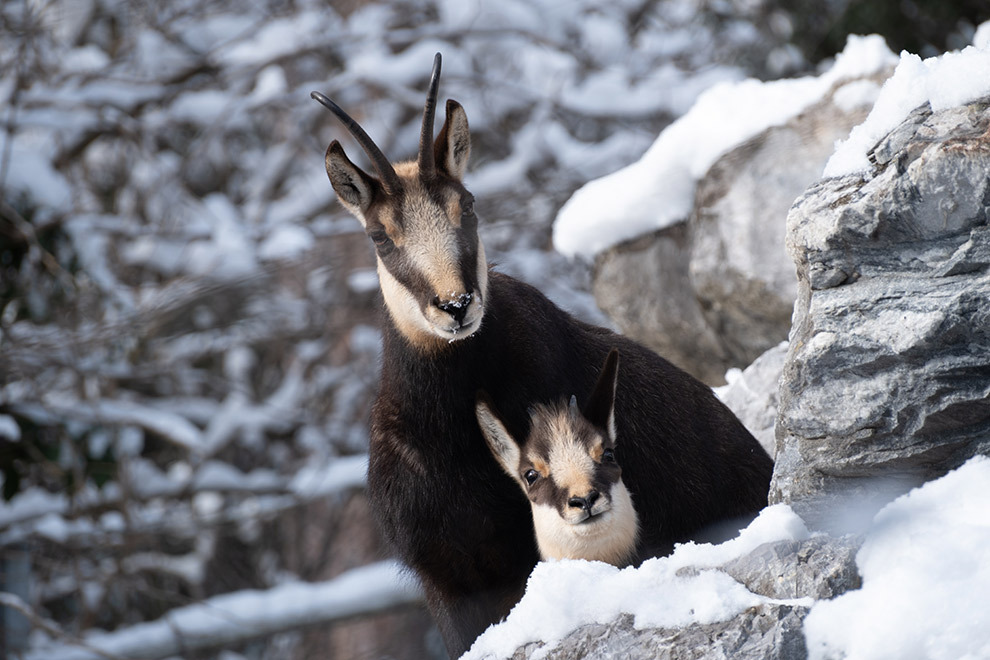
[[567, 469], [453, 327]]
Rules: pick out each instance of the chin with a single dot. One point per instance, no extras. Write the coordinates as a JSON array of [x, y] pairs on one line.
[[463, 332]]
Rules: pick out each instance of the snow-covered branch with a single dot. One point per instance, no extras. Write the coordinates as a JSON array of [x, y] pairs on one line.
[[237, 617]]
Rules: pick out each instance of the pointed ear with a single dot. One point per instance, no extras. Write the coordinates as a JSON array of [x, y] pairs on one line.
[[355, 189], [503, 447], [600, 408], [452, 148]]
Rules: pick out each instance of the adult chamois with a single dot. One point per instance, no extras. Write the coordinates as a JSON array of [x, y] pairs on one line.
[[454, 327]]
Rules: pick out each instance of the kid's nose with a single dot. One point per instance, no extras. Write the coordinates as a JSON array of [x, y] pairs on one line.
[[585, 502]]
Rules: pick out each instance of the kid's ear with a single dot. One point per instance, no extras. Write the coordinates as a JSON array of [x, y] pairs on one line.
[[503, 447], [600, 408], [354, 187]]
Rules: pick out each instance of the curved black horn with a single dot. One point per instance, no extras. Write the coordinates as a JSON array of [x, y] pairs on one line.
[[390, 180], [427, 165]]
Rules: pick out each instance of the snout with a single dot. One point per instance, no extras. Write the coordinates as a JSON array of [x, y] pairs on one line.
[[585, 503], [456, 307], [585, 508], [455, 315]]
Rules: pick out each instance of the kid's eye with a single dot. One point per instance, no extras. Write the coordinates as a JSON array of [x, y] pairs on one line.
[[531, 476]]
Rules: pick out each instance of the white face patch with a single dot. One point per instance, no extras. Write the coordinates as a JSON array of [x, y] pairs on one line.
[[609, 537], [447, 311], [571, 469]]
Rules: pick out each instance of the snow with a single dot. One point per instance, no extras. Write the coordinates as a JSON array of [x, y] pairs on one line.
[[34, 176], [981, 39], [563, 595], [285, 242], [9, 430], [339, 474], [926, 579], [270, 85], [173, 427], [229, 252], [278, 37], [201, 107], [86, 59], [658, 190], [946, 81]]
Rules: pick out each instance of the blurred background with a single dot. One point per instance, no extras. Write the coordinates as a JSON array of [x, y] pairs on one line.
[[189, 321]]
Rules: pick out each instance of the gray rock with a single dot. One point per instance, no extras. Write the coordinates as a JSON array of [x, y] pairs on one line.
[[887, 381], [717, 290], [770, 632], [752, 395], [644, 287], [739, 267], [820, 567]]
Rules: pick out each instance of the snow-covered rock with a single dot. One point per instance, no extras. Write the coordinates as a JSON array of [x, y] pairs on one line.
[[710, 286], [888, 375]]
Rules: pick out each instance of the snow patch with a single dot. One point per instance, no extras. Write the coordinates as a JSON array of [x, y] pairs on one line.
[[950, 80], [926, 578], [285, 242], [9, 429], [658, 190]]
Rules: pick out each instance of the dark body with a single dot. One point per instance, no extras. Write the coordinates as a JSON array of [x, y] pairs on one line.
[[463, 525]]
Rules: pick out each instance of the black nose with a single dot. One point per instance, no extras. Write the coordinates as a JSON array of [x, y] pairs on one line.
[[585, 502], [457, 307]]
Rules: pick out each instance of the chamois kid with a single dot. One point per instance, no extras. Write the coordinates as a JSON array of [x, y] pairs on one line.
[[453, 327], [567, 468]]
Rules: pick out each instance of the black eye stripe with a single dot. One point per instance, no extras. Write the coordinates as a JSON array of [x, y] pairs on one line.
[[406, 274]]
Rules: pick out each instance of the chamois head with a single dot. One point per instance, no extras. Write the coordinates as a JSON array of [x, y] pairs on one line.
[[567, 468], [431, 263]]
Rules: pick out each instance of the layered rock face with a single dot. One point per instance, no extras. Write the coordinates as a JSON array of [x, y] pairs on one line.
[[717, 290], [887, 381]]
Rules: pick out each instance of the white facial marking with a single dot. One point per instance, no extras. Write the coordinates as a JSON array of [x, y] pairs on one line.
[[431, 247], [609, 537]]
